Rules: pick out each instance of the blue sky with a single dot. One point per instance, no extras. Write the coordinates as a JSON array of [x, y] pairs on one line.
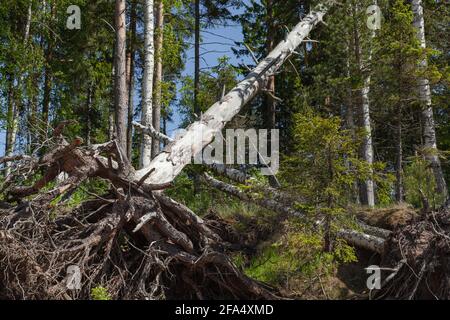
[[216, 43]]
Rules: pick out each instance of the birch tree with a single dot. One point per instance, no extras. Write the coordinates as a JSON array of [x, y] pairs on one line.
[[428, 125], [167, 165], [147, 83], [367, 188]]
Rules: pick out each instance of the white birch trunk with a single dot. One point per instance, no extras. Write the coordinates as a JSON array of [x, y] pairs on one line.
[[169, 163], [147, 83], [363, 240], [429, 132], [368, 191], [368, 144]]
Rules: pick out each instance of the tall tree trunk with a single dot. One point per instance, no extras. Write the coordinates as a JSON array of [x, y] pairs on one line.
[[147, 82], [270, 103], [130, 78], [167, 165], [197, 110], [48, 77], [33, 116], [350, 122], [164, 128], [120, 83], [158, 75], [399, 193], [111, 114], [270, 107], [10, 120], [429, 131], [367, 187], [89, 97]]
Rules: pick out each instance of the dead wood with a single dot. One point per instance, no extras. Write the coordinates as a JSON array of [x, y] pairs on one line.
[[419, 254], [137, 243]]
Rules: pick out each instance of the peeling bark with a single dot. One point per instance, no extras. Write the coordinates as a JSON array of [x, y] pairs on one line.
[[120, 83]]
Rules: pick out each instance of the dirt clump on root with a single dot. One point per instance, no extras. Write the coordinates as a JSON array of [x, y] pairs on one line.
[[389, 218]]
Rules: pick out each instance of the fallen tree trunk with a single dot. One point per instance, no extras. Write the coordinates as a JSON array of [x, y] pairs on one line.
[[363, 240], [263, 202], [169, 163], [370, 242]]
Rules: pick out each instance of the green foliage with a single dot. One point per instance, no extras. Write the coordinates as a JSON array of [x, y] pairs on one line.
[[100, 293], [324, 166], [212, 84], [419, 178], [298, 253], [183, 191], [88, 190]]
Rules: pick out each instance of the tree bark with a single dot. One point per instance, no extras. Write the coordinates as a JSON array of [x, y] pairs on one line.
[[197, 110], [270, 106], [11, 121], [158, 76], [367, 187], [90, 93], [363, 240], [130, 78], [120, 84], [199, 134], [428, 125], [399, 195], [147, 83], [350, 122], [48, 78]]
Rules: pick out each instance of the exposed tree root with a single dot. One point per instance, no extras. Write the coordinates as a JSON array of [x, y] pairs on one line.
[[140, 244], [136, 243], [418, 259]]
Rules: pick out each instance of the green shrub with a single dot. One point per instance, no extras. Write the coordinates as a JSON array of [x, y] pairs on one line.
[[100, 293], [419, 177]]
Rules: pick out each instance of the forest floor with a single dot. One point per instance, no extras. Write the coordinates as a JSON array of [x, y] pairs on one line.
[[132, 241], [302, 273]]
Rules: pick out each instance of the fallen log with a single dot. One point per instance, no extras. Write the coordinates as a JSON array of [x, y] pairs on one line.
[[363, 240], [169, 163], [370, 242], [263, 202]]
